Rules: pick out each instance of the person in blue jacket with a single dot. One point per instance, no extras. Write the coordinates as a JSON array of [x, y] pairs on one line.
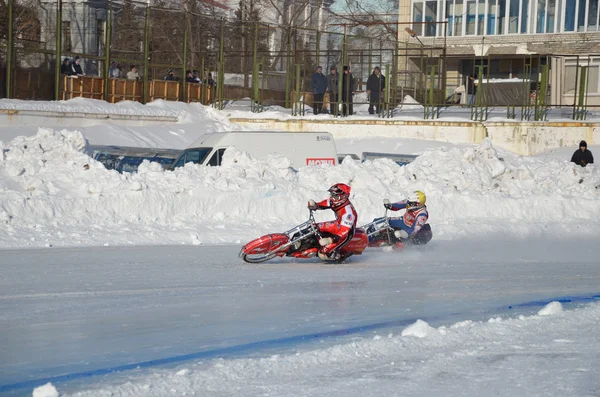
[[412, 226], [318, 83]]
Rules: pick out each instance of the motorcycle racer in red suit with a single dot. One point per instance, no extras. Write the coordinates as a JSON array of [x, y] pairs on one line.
[[344, 225]]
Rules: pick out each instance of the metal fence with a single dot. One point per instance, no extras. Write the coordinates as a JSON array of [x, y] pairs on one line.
[[131, 51]]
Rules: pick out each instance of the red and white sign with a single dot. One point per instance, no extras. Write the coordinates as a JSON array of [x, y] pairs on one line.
[[319, 161]]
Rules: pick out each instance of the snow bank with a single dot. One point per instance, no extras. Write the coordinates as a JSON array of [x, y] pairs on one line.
[[51, 193], [89, 106], [47, 390], [551, 309], [443, 363]]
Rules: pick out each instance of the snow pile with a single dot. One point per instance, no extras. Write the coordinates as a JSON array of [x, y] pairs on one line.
[[551, 309], [89, 106], [52, 193], [419, 329], [445, 362], [47, 390]]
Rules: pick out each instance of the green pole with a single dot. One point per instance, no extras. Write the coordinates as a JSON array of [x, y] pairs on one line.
[[582, 89], [288, 69], [107, 44], [254, 101], [221, 76], [10, 50], [202, 85], [185, 56], [58, 49], [318, 49], [297, 101], [146, 57]]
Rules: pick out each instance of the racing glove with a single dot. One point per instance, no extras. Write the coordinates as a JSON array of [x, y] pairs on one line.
[[312, 205], [387, 204]]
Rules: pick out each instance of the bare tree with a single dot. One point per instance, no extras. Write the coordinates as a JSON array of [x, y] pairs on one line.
[[374, 19]]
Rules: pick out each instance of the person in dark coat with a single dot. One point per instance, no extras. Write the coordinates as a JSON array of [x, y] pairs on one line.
[[375, 86], [170, 76], [65, 68], [76, 67], [582, 156], [332, 88], [347, 92], [318, 83], [189, 77]]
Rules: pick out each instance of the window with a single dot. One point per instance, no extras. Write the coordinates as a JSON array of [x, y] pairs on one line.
[[450, 16], [458, 14], [471, 14], [501, 16], [593, 16], [99, 36], [513, 16], [418, 17], [216, 158], [581, 16], [67, 45], [481, 17], [430, 16], [541, 16], [570, 15], [524, 14], [550, 16]]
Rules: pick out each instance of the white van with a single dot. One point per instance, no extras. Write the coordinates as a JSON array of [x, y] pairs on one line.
[[302, 148]]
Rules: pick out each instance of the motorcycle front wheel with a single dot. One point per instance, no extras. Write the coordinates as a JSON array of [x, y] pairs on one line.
[[264, 248]]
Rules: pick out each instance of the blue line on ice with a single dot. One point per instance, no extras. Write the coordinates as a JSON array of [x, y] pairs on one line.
[[255, 346]]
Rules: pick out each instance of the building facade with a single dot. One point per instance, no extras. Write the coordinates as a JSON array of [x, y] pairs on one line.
[[513, 39]]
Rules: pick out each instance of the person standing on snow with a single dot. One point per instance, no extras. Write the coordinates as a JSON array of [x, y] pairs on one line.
[[318, 84], [582, 156], [413, 220], [375, 87], [332, 88], [344, 225]]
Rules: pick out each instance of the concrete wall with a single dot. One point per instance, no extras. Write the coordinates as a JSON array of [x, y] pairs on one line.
[[525, 138]]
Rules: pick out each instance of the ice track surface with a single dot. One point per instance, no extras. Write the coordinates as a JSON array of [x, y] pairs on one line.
[[179, 320]]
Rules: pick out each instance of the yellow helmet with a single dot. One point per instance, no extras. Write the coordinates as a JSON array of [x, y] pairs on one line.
[[416, 200]]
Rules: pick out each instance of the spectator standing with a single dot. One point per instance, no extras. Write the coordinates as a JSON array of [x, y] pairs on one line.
[[209, 80], [471, 89], [170, 76], [347, 92], [76, 67], [582, 156], [318, 84], [111, 68], [196, 77], [116, 72], [65, 68], [332, 88], [375, 87], [189, 78], [133, 73]]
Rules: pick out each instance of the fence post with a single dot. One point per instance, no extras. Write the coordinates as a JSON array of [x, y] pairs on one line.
[[185, 57], [107, 44], [9, 51], [145, 80], [254, 100], [58, 62], [288, 72], [318, 49]]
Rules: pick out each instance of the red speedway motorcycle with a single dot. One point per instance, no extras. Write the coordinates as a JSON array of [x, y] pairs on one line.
[[303, 241]]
